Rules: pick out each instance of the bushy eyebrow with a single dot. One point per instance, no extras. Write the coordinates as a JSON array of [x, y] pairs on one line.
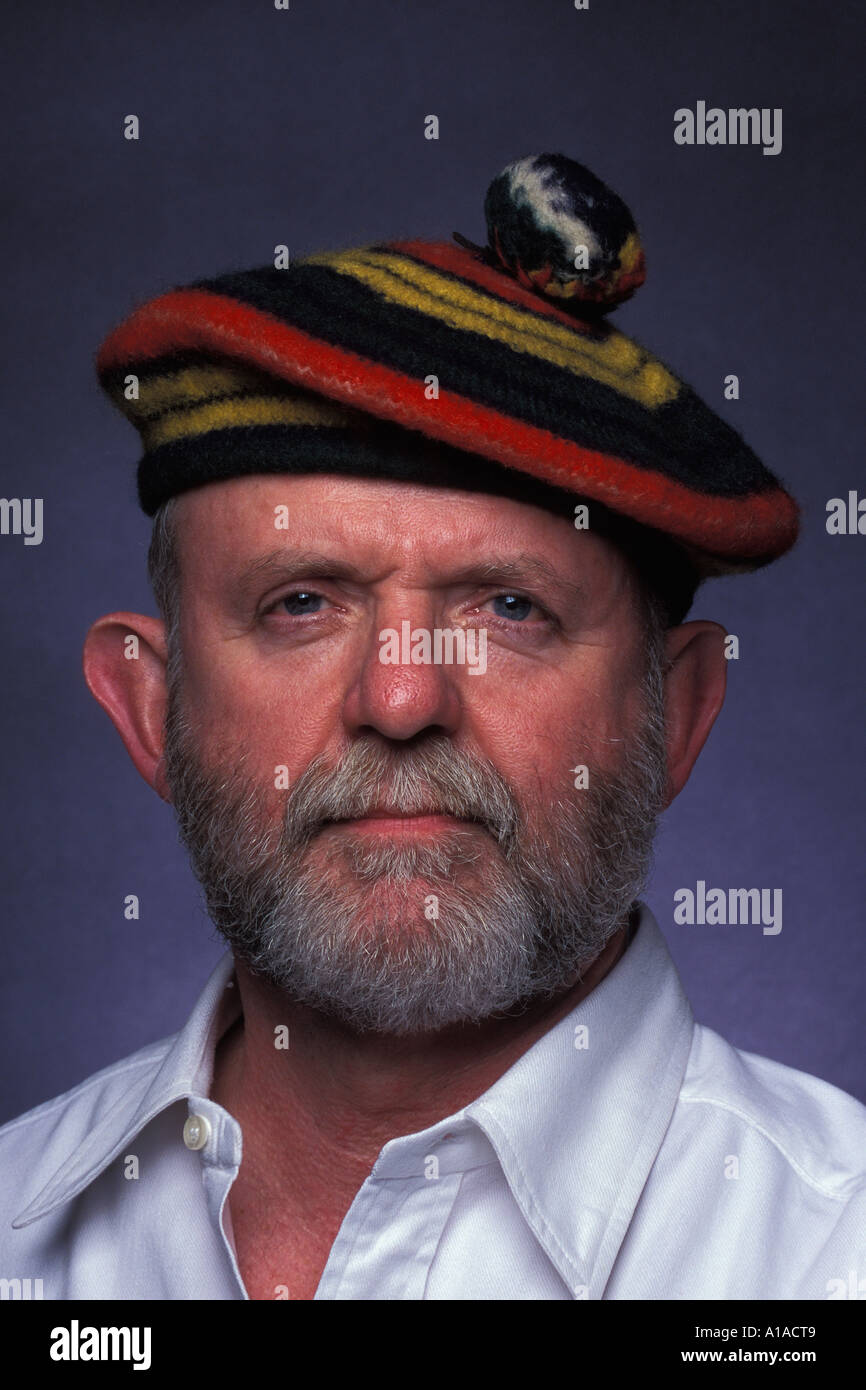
[[524, 570], [283, 564]]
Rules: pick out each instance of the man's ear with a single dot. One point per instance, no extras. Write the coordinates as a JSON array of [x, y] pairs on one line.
[[124, 665], [694, 693]]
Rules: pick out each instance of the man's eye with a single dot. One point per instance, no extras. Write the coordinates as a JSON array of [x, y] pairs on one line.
[[301, 602], [513, 606]]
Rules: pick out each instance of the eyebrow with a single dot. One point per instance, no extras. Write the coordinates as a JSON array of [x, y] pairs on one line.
[[284, 565], [525, 569]]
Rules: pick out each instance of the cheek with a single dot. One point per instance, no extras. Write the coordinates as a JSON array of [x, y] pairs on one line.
[[560, 720], [239, 712]]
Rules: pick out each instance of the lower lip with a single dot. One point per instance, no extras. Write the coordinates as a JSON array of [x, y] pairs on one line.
[[405, 825]]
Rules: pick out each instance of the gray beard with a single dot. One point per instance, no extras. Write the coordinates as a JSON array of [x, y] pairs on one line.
[[398, 936]]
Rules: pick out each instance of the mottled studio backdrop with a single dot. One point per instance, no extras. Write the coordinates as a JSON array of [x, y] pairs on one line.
[[306, 127]]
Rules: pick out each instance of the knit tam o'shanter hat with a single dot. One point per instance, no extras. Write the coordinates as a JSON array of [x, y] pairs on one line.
[[490, 368]]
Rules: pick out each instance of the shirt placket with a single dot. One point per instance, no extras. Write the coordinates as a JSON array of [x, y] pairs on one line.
[[216, 1136]]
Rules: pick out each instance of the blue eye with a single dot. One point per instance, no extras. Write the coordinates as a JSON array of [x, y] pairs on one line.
[[516, 607], [298, 603]]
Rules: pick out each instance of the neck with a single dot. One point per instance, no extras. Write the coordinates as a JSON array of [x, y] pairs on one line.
[[334, 1090]]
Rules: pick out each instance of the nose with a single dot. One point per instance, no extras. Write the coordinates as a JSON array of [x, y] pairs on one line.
[[401, 698]]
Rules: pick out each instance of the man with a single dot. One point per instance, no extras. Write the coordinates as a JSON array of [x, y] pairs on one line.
[[426, 533]]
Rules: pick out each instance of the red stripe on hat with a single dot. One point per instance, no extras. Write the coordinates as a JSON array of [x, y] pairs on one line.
[[756, 526]]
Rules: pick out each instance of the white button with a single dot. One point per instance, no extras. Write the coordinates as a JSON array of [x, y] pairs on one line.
[[196, 1132]]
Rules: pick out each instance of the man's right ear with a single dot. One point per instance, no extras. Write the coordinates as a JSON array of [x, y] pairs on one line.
[[125, 659]]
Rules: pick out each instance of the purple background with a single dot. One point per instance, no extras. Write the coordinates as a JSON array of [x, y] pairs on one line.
[[306, 127]]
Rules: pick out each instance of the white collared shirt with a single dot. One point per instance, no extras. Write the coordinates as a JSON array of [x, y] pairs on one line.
[[629, 1154]]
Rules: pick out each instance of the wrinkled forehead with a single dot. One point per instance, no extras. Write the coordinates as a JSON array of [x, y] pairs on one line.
[[380, 527]]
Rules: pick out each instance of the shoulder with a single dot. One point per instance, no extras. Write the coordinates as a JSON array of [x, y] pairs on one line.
[[758, 1189], [808, 1126], [34, 1145]]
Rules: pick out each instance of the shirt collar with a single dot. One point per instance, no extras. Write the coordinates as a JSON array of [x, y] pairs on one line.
[[575, 1128], [186, 1070]]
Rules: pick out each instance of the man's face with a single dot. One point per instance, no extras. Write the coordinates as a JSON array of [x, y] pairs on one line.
[[495, 879]]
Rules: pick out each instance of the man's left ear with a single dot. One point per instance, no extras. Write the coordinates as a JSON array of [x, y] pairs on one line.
[[124, 665], [694, 693]]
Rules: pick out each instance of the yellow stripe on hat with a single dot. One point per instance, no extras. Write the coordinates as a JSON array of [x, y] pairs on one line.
[[195, 385], [198, 384], [613, 361], [236, 412]]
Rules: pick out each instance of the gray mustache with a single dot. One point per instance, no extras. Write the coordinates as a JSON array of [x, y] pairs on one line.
[[436, 779]]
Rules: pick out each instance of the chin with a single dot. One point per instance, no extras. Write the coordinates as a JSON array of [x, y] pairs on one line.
[[387, 910]]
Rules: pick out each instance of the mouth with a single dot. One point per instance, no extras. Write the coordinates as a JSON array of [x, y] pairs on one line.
[[386, 821]]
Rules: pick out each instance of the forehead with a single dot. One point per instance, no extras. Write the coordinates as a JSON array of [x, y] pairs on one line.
[[381, 525]]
